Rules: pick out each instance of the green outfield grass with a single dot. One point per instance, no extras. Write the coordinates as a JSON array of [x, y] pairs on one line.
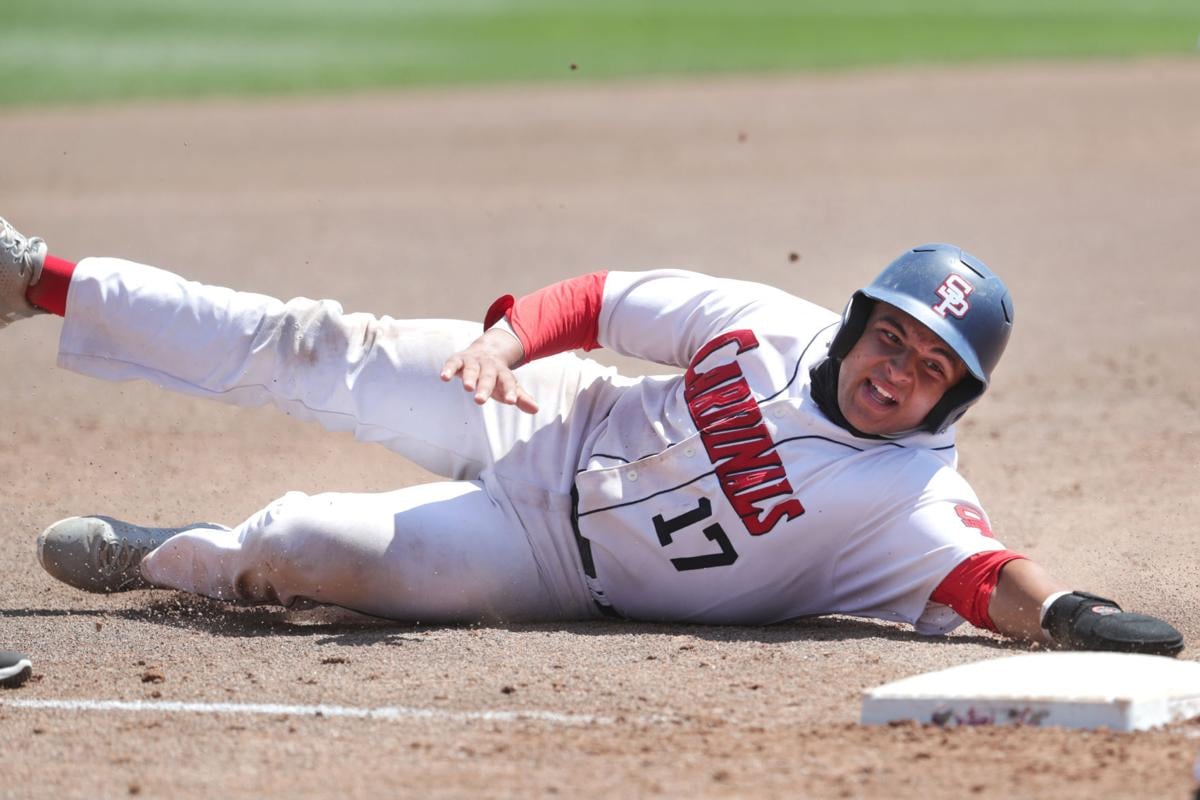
[[54, 51]]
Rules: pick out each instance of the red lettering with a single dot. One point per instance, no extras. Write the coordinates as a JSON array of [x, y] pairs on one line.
[[734, 483], [748, 453], [745, 341], [698, 383], [789, 509], [727, 444], [746, 504], [740, 415], [738, 444], [972, 517], [702, 406]]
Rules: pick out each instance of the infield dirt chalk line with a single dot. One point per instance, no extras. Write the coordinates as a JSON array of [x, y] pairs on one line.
[[273, 709]]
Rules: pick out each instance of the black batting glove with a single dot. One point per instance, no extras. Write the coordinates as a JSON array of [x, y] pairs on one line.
[[1082, 621]]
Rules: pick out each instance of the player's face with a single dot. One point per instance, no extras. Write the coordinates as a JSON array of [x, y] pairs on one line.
[[895, 374]]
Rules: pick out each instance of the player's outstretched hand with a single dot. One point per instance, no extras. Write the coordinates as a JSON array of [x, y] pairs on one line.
[[486, 368], [1082, 621]]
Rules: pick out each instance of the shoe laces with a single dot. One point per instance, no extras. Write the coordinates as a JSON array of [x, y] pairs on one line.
[[119, 556], [18, 248]]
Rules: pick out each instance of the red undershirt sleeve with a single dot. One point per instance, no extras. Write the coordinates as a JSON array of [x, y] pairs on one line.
[[50, 292], [969, 586], [563, 316]]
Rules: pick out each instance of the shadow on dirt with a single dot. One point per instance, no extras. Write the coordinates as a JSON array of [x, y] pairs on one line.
[[336, 626]]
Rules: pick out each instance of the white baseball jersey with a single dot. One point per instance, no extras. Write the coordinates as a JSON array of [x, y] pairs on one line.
[[720, 495], [724, 495]]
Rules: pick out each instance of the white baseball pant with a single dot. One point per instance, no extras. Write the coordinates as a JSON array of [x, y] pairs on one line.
[[495, 543]]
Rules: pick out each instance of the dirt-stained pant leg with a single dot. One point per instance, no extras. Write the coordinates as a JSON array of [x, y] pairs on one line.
[[391, 554], [378, 378]]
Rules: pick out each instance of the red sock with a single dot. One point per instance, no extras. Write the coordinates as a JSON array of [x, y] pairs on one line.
[[50, 292]]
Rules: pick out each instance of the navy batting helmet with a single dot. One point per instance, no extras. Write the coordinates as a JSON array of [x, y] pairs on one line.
[[957, 297]]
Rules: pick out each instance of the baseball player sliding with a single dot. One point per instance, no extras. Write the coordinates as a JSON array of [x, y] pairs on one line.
[[804, 462]]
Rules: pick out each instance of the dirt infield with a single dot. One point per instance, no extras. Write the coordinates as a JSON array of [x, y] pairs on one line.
[[1079, 183]]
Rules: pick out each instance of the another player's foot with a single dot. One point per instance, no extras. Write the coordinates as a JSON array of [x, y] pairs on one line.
[[15, 669], [21, 260], [101, 554]]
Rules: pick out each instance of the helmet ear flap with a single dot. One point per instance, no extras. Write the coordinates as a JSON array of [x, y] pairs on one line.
[[854, 322], [954, 403]]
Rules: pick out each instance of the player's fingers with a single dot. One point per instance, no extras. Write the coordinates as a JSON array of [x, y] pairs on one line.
[[470, 373], [525, 402], [506, 387], [453, 364], [485, 384]]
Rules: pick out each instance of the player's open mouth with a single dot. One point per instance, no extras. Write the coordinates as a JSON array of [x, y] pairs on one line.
[[880, 397]]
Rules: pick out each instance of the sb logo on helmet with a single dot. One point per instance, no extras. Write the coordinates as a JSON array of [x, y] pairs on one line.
[[954, 291]]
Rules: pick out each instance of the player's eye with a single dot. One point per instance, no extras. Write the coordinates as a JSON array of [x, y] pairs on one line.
[[935, 368], [891, 337]]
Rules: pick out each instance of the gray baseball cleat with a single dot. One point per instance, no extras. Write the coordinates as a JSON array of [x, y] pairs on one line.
[[15, 669], [21, 261], [102, 554]]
